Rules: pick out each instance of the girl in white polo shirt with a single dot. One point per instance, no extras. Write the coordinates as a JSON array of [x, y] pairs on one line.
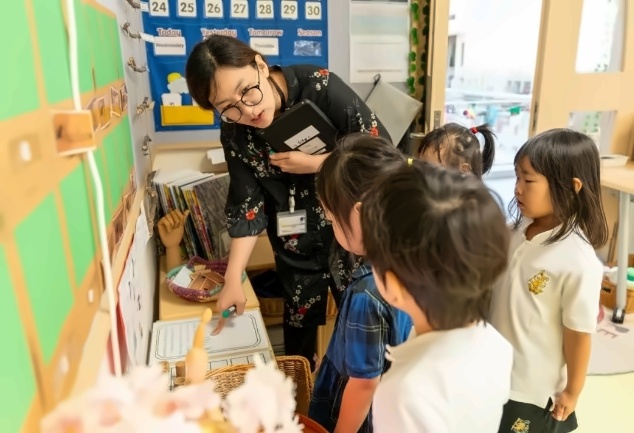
[[546, 303]]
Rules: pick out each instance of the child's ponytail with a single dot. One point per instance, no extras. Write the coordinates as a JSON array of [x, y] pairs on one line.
[[488, 150]]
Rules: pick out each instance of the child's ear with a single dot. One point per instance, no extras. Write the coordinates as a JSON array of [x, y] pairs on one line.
[[395, 289], [577, 184], [357, 207], [465, 167]]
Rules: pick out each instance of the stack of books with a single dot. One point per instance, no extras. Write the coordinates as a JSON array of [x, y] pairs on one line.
[[205, 196]]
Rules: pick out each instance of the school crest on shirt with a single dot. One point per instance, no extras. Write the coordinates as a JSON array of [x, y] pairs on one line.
[[520, 426], [538, 282]]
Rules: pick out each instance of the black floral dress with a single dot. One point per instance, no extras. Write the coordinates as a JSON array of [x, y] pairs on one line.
[[307, 264]]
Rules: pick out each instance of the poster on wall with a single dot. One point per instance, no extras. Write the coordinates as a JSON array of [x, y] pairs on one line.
[[286, 32]]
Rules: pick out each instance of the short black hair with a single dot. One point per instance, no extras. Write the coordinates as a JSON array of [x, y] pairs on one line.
[[217, 51], [443, 234], [348, 172]]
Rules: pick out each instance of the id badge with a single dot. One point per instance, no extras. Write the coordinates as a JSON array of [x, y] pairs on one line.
[[291, 223]]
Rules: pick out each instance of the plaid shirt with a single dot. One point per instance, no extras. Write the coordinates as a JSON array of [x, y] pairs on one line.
[[365, 324]]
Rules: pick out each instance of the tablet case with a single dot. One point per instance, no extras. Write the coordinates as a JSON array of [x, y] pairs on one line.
[[303, 127]]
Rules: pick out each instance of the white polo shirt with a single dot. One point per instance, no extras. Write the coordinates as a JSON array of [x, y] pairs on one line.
[[445, 382], [545, 288]]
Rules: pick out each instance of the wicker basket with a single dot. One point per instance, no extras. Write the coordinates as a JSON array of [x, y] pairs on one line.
[[216, 269], [295, 367]]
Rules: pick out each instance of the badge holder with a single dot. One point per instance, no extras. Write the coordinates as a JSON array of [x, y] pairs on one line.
[[292, 222]]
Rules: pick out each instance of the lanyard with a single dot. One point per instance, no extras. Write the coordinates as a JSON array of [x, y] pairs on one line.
[[291, 199], [291, 190]]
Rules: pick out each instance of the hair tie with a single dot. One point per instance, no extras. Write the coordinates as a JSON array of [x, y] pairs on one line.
[[410, 162], [474, 130]]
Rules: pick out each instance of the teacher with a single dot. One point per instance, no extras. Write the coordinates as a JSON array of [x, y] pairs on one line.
[[227, 76]]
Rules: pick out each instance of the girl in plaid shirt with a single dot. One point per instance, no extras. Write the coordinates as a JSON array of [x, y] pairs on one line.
[[355, 358]]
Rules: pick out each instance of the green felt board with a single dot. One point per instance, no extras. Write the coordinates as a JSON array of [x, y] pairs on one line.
[[118, 60], [41, 252], [99, 47], [126, 142], [124, 147], [84, 48], [113, 164], [95, 36], [53, 47], [17, 380], [108, 26], [77, 204], [105, 70], [101, 167], [19, 92]]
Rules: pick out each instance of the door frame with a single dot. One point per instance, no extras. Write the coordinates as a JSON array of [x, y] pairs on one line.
[[560, 90]]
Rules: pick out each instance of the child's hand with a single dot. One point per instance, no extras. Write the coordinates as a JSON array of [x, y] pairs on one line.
[[565, 404]]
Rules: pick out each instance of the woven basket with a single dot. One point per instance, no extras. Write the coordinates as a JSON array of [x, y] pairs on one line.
[[295, 367], [217, 268]]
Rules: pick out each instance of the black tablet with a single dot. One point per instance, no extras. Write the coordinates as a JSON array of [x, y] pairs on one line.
[[302, 127]]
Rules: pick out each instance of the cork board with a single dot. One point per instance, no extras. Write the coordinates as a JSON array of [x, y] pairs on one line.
[[50, 271]]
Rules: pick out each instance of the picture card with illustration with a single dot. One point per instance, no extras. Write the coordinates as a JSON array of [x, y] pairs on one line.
[[94, 111], [118, 224], [115, 102], [74, 132], [123, 97], [104, 112]]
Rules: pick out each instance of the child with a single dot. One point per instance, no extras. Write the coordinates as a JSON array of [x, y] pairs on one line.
[[546, 304], [437, 241], [456, 146], [355, 358]]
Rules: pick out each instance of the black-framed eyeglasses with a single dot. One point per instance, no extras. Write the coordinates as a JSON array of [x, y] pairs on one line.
[[250, 98]]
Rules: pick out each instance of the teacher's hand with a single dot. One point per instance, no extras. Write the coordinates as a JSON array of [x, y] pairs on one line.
[[230, 295], [297, 162]]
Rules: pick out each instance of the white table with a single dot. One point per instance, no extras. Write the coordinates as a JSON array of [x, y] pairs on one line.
[[621, 179]]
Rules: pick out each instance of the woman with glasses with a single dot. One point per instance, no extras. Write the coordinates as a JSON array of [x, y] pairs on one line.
[[227, 76]]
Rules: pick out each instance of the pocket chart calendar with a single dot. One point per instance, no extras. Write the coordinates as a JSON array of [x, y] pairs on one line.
[[286, 32], [242, 339]]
